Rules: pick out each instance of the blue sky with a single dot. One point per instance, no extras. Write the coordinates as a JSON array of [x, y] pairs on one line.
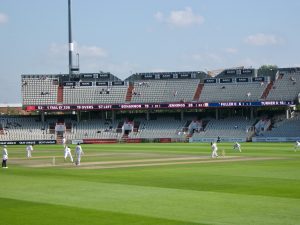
[[124, 37]]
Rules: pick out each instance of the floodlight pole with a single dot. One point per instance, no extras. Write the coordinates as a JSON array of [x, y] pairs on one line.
[[71, 45]]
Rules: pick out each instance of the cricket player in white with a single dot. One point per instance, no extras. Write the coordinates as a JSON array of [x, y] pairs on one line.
[[64, 141], [297, 145], [214, 149], [68, 153], [29, 149], [78, 153], [4, 157], [237, 146]]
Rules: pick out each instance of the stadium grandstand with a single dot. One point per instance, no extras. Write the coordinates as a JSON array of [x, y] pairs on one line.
[[236, 105]]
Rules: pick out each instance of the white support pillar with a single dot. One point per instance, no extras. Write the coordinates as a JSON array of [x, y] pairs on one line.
[[78, 116], [113, 116], [217, 114], [43, 116], [251, 113]]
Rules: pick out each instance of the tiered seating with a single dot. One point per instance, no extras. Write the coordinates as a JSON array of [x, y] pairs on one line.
[[164, 90], [38, 90], [284, 128], [250, 91], [234, 127], [163, 127], [94, 129], [95, 94], [286, 87], [24, 128]]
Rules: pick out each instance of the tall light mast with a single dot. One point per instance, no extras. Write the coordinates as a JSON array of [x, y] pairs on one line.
[[71, 45]]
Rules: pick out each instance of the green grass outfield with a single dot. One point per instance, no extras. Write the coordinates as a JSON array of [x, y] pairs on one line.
[[165, 184]]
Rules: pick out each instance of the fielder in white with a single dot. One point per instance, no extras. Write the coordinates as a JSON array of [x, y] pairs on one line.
[[78, 153], [237, 146], [214, 149], [4, 157], [297, 145], [68, 153], [64, 142], [29, 149]]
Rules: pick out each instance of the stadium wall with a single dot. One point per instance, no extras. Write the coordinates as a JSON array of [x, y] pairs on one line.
[[191, 140], [275, 139]]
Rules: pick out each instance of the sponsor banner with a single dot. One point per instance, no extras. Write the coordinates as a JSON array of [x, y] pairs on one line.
[[76, 141], [118, 83], [225, 80], [166, 76], [133, 140], [87, 75], [148, 76], [28, 142], [156, 106], [69, 83], [103, 75], [214, 139], [275, 139], [247, 71], [230, 72], [99, 141], [85, 84], [165, 140], [242, 79], [184, 75], [99, 83], [210, 81], [258, 79]]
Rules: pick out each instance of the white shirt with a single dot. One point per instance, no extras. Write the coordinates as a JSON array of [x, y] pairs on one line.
[[237, 145], [67, 150], [29, 148], [78, 150], [214, 147], [4, 154]]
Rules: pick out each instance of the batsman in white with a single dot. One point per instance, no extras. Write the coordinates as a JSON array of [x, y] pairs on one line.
[[297, 145], [68, 153], [214, 149], [78, 153], [237, 146], [29, 149]]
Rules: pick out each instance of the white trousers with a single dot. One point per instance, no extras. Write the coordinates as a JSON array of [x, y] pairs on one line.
[[78, 159], [68, 154], [29, 154], [214, 153]]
